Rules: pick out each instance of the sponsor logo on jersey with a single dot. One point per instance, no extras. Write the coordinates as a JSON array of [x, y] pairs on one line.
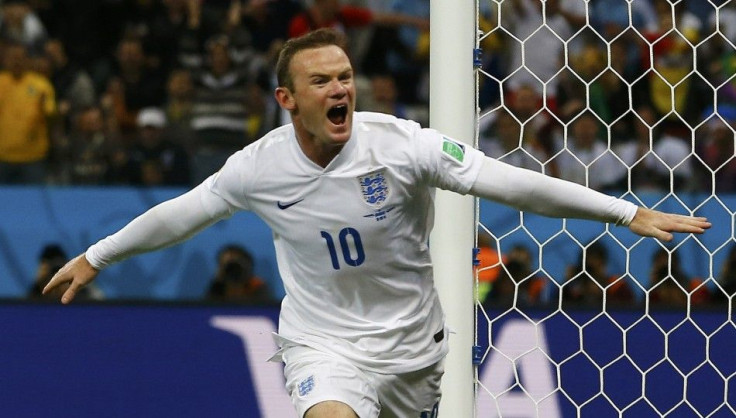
[[454, 149], [374, 188], [283, 206], [306, 386]]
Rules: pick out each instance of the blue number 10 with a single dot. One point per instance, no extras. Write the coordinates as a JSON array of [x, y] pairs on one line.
[[350, 260]]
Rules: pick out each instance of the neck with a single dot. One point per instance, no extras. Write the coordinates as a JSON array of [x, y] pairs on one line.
[[318, 152]]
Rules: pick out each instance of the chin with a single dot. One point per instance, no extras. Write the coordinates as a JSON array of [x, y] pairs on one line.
[[340, 139], [341, 133]]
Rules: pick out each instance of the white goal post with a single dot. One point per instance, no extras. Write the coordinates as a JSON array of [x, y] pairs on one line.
[[452, 111]]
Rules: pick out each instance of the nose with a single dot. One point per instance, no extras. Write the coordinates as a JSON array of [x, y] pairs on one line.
[[337, 89]]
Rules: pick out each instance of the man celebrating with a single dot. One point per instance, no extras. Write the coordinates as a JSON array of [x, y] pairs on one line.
[[349, 196]]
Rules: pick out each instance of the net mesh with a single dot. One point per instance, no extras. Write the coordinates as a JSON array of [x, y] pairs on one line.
[[636, 99]]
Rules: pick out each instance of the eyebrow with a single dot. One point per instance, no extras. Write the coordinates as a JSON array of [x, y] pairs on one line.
[[344, 71]]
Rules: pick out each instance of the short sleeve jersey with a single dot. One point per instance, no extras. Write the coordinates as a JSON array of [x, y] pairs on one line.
[[351, 239]]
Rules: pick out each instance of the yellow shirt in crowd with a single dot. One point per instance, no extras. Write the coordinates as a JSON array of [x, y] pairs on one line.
[[25, 103]]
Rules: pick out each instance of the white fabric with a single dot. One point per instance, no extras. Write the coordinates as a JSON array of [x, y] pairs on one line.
[[534, 192], [382, 311], [313, 376], [352, 239], [164, 225], [354, 259]]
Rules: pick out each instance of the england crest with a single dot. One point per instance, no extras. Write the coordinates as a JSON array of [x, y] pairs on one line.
[[374, 188]]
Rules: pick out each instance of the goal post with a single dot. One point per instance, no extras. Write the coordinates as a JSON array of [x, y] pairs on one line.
[[452, 111]]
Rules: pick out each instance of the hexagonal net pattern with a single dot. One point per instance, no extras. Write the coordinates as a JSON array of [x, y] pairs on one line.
[[636, 99]]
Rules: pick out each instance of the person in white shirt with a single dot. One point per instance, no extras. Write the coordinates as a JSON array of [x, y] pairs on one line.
[[584, 158], [349, 196]]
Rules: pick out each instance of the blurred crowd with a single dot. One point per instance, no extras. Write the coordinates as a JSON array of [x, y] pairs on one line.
[[640, 101], [616, 95], [512, 279], [161, 92]]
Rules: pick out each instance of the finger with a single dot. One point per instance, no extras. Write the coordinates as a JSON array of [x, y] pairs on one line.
[[68, 296], [660, 234], [55, 281], [664, 236], [687, 224]]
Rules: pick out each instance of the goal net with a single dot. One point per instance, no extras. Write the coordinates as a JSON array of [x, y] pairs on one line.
[[637, 99]]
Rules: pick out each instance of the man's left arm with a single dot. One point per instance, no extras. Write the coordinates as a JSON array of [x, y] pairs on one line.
[[545, 195]]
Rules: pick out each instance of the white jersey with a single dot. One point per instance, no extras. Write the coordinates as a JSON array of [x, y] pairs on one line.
[[351, 239]]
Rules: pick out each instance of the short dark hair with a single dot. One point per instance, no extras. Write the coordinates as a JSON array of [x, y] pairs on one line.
[[315, 39]]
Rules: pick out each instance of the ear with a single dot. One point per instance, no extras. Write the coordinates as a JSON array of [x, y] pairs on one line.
[[285, 98]]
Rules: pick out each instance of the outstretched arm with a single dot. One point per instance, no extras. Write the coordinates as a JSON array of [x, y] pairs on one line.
[[164, 225], [534, 192]]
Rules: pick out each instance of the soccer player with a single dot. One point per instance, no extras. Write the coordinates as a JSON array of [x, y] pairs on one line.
[[348, 196]]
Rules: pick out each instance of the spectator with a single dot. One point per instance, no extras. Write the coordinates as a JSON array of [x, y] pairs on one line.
[[716, 57], [589, 282], [515, 283], [348, 18], [177, 35], [527, 106], [611, 17], [539, 24], [609, 94], [240, 42], [669, 53], [19, 24], [532, 288], [50, 260], [716, 149], [268, 23], [179, 107], [227, 113], [670, 285], [74, 87], [402, 50], [89, 30], [94, 154], [333, 14], [585, 158], [647, 172], [384, 97], [132, 85], [27, 105], [606, 90], [487, 266], [503, 140], [572, 91], [727, 278], [235, 281], [154, 160], [138, 16]]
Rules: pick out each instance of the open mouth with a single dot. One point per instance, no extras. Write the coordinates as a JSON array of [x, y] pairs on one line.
[[338, 114]]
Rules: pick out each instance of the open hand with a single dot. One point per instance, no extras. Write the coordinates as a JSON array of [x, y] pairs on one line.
[[75, 274], [660, 225]]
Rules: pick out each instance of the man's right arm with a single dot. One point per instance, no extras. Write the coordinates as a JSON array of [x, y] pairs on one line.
[[164, 225]]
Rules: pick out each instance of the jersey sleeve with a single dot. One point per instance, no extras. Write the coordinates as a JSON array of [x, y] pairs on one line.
[[445, 162], [232, 181]]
